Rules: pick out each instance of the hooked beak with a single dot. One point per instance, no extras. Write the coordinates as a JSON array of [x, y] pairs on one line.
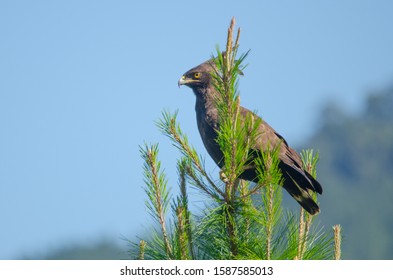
[[182, 81]]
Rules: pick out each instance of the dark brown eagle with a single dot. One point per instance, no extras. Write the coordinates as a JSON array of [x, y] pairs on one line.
[[297, 181]]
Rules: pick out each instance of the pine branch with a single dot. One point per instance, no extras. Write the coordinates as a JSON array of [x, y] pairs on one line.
[[156, 190], [228, 106], [169, 126]]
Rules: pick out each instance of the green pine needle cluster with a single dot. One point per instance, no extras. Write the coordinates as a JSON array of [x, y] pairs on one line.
[[241, 220]]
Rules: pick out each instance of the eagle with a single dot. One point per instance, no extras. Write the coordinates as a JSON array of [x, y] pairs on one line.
[[296, 180]]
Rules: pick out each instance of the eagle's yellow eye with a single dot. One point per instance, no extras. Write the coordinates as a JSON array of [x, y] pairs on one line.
[[197, 75]]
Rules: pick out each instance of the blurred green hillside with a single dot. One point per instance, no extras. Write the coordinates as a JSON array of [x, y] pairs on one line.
[[100, 250], [356, 171]]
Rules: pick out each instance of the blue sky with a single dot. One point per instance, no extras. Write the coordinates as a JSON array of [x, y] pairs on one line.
[[82, 82]]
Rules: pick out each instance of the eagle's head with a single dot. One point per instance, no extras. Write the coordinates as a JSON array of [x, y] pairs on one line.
[[198, 77]]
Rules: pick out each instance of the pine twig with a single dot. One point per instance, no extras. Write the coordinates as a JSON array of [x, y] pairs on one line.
[[305, 222], [181, 232], [309, 161], [142, 246], [337, 242], [182, 167], [301, 241], [269, 222]]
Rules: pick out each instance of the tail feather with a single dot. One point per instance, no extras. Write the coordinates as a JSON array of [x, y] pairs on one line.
[[302, 178], [301, 196], [317, 186], [298, 186]]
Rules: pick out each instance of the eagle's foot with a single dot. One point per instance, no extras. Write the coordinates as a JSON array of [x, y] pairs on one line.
[[223, 176]]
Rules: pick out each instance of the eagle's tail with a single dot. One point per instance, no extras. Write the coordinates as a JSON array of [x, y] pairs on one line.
[[299, 186]]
